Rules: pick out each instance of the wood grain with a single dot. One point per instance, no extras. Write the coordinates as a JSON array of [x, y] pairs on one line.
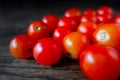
[[14, 69]]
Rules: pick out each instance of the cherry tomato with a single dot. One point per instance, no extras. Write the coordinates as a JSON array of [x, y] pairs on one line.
[[89, 12], [105, 18], [100, 62], [60, 33], [37, 29], [47, 51], [51, 21], [73, 13], [105, 10], [21, 46], [74, 43], [116, 19], [68, 22], [108, 34], [85, 18], [87, 28]]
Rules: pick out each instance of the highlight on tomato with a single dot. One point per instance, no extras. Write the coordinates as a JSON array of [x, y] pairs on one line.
[[74, 43]]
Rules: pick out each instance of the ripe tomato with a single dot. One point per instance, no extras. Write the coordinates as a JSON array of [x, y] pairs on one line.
[[37, 29], [51, 21], [87, 28], [68, 22], [105, 18], [89, 12], [21, 46], [85, 18], [100, 62], [60, 33], [47, 51], [108, 34], [105, 10], [116, 19], [73, 13], [74, 43]]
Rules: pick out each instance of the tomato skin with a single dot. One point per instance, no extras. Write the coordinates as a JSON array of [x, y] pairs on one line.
[[37, 29], [87, 28], [89, 12], [105, 10], [105, 18], [47, 51], [51, 21], [116, 19], [60, 33], [21, 46], [74, 43], [86, 18], [100, 62], [68, 22], [107, 34], [73, 13]]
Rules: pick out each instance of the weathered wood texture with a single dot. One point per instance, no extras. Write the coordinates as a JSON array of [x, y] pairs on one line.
[[14, 69]]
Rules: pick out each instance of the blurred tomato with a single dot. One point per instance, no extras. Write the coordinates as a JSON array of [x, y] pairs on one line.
[[21, 46], [100, 62]]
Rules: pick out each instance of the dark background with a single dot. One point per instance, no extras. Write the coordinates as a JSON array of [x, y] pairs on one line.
[[16, 15]]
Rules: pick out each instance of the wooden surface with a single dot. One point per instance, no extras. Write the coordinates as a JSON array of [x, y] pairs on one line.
[[14, 19], [13, 69]]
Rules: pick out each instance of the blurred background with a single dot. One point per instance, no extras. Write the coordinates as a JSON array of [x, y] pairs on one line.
[[16, 15]]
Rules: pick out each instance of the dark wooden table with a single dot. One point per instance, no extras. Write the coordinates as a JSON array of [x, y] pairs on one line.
[[15, 17]]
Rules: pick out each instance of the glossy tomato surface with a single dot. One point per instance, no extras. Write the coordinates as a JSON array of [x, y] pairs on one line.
[[100, 62], [51, 21], [37, 29], [21, 46], [105, 10], [108, 34], [60, 33], [116, 19], [68, 22], [74, 43], [47, 51], [74, 13], [89, 12], [87, 28]]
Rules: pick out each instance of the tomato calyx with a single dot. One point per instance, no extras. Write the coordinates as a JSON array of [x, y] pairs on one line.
[[38, 28]]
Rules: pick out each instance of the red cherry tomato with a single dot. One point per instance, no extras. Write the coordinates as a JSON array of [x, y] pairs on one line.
[[74, 43], [85, 18], [73, 13], [37, 29], [105, 10], [87, 28], [51, 21], [100, 62], [60, 33], [47, 51], [68, 22], [21, 46], [105, 18], [116, 19], [89, 12], [108, 34]]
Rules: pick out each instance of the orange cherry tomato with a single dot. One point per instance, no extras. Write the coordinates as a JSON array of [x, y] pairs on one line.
[[108, 34], [74, 43]]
